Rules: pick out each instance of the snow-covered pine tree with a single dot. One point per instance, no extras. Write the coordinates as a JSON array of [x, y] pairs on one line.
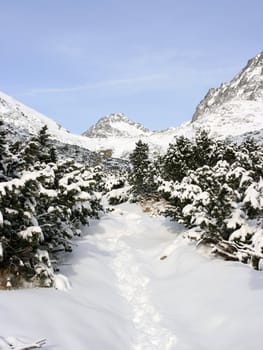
[[141, 173], [251, 157], [178, 159], [115, 186], [220, 196], [3, 151], [41, 208], [21, 236], [38, 149], [206, 150]]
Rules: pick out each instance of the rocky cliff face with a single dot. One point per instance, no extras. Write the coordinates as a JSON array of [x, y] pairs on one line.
[[247, 86]]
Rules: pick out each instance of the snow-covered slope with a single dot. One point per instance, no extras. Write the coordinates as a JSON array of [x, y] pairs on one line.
[[21, 121], [124, 296], [23, 118], [236, 107], [245, 86]]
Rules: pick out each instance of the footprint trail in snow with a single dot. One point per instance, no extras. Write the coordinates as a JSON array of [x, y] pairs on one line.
[[133, 285]]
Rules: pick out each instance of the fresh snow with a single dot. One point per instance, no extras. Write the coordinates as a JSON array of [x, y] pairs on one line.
[[136, 284], [17, 344], [31, 233]]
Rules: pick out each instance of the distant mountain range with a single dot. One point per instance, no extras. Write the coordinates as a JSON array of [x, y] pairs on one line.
[[233, 110]]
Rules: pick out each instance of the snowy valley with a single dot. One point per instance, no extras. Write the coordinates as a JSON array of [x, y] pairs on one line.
[[149, 240]]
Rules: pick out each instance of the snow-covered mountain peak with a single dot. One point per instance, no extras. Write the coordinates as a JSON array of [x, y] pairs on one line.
[[247, 86], [116, 125], [235, 108]]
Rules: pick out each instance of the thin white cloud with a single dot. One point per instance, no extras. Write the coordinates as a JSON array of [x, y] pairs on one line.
[[114, 83]]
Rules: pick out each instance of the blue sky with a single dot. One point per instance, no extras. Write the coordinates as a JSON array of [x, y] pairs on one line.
[[78, 60]]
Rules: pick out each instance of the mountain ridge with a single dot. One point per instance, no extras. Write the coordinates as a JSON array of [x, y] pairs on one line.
[[233, 110]]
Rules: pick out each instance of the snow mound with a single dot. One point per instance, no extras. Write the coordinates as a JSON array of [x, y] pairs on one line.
[[17, 344], [61, 282]]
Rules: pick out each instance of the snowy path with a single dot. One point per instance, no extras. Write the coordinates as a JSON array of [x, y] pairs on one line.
[[124, 297], [133, 284]]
